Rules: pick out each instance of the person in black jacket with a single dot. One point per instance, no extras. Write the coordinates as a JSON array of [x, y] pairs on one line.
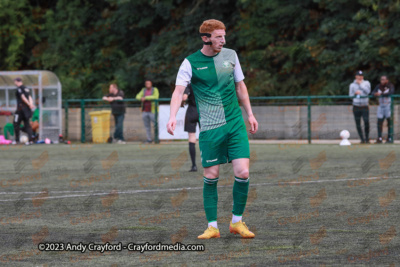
[[118, 110], [383, 91], [23, 112]]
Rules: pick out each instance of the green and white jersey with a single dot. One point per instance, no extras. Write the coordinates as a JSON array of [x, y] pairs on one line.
[[213, 81]]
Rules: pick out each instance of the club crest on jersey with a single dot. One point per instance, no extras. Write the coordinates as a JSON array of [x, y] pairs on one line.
[[226, 64]]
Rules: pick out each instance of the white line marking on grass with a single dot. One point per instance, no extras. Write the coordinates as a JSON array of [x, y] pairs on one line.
[[96, 193], [37, 192]]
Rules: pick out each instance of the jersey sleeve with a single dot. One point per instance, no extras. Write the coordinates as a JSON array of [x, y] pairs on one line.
[[184, 74], [237, 72]]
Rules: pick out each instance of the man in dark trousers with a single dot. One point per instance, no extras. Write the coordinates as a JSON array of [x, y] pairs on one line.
[[23, 112], [191, 121], [383, 91], [118, 110], [358, 88]]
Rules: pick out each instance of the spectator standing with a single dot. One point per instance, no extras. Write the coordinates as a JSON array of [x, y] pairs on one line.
[[115, 98], [358, 88], [383, 91], [148, 93], [24, 110]]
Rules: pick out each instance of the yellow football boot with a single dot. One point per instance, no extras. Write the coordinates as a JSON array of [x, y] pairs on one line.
[[241, 229], [210, 232]]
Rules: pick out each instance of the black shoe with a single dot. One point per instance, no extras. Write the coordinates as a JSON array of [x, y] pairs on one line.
[[193, 169], [362, 142], [367, 142], [379, 140], [389, 141]]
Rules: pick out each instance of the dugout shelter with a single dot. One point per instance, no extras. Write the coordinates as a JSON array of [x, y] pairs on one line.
[[42, 83]]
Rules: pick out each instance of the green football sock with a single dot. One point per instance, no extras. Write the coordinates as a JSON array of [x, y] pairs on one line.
[[240, 191], [210, 198]]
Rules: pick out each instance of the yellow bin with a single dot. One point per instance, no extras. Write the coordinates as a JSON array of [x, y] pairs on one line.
[[100, 125]]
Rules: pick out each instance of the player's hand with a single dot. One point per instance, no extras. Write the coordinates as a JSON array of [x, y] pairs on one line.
[[143, 99], [358, 92], [32, 106], [253, 124], [171, 126]]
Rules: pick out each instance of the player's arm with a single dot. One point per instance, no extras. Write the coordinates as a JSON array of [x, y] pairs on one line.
[[176, 101], [243, 96], [182, 80]]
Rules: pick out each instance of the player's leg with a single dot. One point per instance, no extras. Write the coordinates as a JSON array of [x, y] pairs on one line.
[[357, 117], [193, 120], [240, 192], [192, 151], [240, 187], [210, 201], [379, 115], [239, 155], [190, 127], [213, 152]]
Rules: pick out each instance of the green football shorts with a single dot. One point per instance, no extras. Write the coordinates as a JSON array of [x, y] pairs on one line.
[[224, 144]]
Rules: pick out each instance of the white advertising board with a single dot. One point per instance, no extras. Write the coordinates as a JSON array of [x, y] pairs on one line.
[[179, 133]]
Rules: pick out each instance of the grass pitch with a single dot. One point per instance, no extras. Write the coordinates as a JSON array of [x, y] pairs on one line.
[[309, 205]]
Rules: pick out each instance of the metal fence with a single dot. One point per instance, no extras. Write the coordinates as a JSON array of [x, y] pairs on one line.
[[280, 117]]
